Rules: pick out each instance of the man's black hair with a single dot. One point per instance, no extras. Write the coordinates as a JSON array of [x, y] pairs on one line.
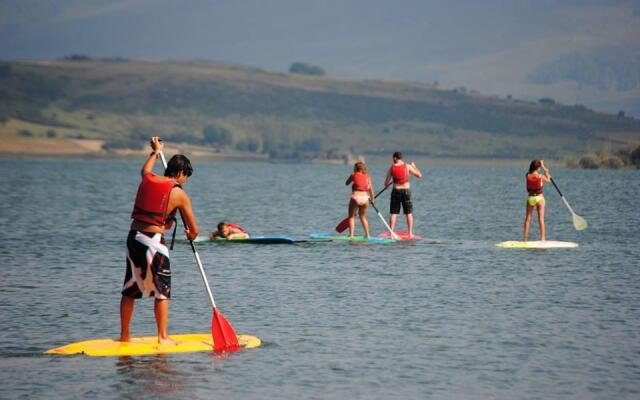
[[176, 164]]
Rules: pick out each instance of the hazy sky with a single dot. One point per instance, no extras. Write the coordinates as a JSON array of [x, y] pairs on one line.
[[488, 45]]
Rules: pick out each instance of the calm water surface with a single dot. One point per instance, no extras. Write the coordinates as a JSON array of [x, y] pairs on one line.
[[449, 317]]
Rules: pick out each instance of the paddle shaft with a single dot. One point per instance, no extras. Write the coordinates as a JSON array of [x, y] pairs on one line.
[[380, 192], [556, 186], [566, 203], [195, 252], [384, 221]]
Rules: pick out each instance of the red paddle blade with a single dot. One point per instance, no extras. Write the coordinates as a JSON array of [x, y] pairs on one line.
[[224, 337], [343, 225]]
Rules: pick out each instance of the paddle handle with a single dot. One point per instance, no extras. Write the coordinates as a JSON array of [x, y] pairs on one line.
[[380, 192], [195, 252]]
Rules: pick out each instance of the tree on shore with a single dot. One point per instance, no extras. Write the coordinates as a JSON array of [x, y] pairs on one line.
[[305, 69]]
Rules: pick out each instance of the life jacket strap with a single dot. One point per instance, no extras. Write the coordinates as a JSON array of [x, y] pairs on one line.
[[173, 235]]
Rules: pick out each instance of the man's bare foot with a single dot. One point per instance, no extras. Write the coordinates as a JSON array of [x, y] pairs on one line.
[[167, 340], [124, 338]]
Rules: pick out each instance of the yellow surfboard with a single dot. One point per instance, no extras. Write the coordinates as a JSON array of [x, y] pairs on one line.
[[149, 345], [538, 244]]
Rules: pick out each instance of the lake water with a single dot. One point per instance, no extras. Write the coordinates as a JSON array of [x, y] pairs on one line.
[[449, 317]]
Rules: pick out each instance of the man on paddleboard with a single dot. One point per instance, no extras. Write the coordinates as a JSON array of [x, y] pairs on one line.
[[401, 193], [148, 272], [228, 230]]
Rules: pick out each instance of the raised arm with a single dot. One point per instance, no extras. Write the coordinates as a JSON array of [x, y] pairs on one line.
[[349, 180], [414, 170], [546, 178], [156, 147]]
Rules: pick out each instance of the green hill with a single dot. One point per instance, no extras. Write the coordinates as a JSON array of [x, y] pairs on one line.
[[291, 115]]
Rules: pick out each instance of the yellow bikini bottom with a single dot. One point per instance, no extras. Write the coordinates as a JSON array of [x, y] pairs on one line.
[[535, 200]]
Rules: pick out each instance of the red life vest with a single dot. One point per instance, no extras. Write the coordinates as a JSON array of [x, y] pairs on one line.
[[232, 226], [534, 185], [360, 182], [400, 173], [236, 227], [152, 201]]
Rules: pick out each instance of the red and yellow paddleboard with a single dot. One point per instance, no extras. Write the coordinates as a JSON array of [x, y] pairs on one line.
[[149, 345], [402, 235]]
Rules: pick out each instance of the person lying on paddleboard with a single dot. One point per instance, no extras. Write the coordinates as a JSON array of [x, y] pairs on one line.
[[534, 181], [361, 194], [148, 270], [400, 172], [227, 230]]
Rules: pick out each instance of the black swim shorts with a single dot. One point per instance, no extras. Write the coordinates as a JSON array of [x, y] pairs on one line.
[[401, 197]]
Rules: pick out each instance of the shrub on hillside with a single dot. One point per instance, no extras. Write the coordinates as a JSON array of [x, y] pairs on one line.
[[305, 69], [250, 144], [573, 163], [613, 162], [217, 136], [589, 162], [77, 57], [634, 157], [51, 133], [25, 133]]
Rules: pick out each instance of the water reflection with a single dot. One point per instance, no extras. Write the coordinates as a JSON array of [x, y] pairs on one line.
[[148, 374]]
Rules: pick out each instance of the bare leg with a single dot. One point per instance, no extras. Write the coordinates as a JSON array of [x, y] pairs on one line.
[[541, 221], [353, 208], [527, 222], [362, 211], [127, 305], [410, 224], [393, 218], [161, 309]]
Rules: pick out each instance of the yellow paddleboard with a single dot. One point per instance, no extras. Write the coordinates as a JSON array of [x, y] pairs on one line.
[[149, 345], [538, 244]]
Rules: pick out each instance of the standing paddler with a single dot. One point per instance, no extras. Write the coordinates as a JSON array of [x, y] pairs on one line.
[[400, 172], [535, 199], [148, 271]]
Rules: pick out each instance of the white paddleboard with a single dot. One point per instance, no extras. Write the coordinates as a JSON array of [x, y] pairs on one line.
[[538, 244]]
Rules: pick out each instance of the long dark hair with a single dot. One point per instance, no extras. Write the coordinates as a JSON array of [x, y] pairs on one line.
[[176, 164], [534, 166]]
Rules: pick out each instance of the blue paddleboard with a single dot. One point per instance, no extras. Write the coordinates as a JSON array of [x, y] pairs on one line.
[[258, 240]]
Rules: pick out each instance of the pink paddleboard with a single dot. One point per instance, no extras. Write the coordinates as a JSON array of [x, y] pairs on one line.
[[401, 234]]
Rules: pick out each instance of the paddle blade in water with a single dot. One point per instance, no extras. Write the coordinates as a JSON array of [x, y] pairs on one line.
[[224, 337], [343, 225], [579, 223]]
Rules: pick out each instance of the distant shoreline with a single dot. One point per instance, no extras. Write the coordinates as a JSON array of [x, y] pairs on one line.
[[84, 149]]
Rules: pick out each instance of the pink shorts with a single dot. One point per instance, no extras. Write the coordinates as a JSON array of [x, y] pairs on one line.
[[360, 199]]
